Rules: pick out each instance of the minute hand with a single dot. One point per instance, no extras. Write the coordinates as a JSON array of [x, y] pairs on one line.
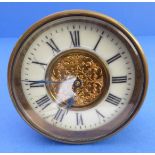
[[39, 83]]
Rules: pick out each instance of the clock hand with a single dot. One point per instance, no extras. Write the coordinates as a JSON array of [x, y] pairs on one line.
[[70, 102], [39, 83], [76, 84]]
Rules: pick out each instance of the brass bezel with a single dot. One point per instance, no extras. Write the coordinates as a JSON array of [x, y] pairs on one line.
[[102, 132]]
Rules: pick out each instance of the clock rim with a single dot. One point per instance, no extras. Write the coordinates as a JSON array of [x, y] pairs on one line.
[[101, 17]]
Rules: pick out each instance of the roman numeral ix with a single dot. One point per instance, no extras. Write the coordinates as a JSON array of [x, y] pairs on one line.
[[34, 84], [119, 79], [39, 63], [75, 37], [43, 102], [113, 99]]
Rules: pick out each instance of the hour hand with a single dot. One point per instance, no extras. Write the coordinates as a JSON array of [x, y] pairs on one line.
[[70, 103]]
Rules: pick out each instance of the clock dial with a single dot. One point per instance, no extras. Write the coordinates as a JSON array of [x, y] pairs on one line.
[[75, 76]]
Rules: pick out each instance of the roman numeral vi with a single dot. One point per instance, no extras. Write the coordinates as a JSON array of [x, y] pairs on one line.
[[79, 119]]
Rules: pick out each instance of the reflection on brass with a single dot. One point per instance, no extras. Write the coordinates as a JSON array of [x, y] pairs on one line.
[[89, 74]]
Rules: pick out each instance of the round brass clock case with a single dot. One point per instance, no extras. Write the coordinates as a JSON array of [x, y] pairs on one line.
[[84, 81]]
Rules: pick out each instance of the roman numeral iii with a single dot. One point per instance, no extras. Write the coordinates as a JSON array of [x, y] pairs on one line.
[[75, 37], [113, 99], [119, 79]]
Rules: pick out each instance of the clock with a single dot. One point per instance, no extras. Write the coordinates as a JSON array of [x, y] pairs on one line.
[[77, 76]]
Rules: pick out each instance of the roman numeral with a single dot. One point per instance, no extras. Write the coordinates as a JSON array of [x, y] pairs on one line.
[[119, 79], [39, 63], [36, 84], [79, 119], [33, 84], [53, 46], [113, 99], [99, 114], [75, 37], [97, 43], [59, 115], [43, 102], [117, 56]]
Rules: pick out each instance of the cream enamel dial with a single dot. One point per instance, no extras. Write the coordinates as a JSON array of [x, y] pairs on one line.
[[73, 76]]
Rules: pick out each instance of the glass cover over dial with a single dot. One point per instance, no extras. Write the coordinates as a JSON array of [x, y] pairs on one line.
[[76, 75]]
